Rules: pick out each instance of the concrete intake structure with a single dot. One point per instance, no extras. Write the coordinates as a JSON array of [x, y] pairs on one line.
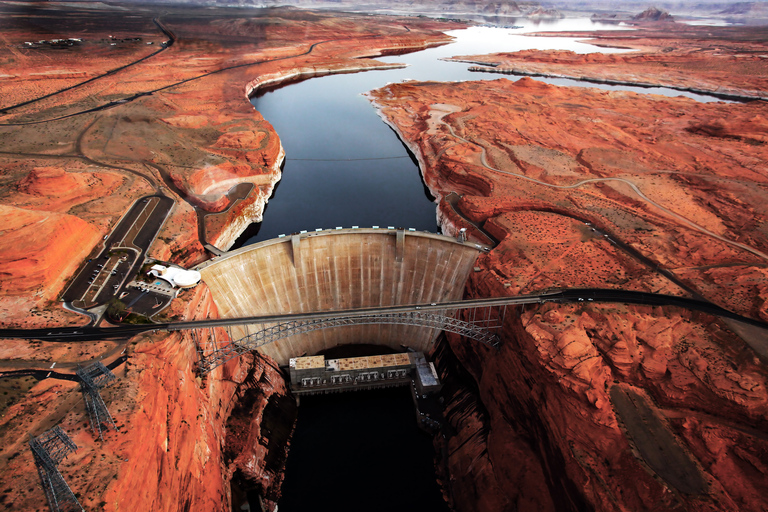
[[340, 269]]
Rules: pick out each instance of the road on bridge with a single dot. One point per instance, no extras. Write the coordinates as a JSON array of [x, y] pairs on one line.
[[73, 334]]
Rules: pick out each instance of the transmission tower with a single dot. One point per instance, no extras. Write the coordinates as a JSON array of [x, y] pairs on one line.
[[93, 378], [50, 448]]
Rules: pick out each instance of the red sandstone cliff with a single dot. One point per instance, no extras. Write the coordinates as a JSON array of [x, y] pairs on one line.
[[174, 429], [183, 424], [590, 406]]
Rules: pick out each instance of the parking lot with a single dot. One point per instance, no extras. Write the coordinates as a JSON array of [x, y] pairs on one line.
[[103, 277]]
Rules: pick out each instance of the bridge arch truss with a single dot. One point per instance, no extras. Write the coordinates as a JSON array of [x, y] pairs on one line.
[[217, 353]]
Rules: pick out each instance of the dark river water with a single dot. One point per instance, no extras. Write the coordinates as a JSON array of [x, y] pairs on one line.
[[345, 167], [360, 451]]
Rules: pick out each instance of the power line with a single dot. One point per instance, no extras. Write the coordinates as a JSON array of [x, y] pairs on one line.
[[346, 159]]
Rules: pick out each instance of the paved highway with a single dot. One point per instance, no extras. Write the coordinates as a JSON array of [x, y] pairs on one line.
[[73, 334], [167, 44]]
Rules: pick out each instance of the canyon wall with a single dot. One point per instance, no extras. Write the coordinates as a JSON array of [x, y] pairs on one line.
[[550, 435], [593, 406], [181, 437]]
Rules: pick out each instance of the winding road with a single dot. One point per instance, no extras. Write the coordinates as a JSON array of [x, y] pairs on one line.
[[167, 44], [633, 186]]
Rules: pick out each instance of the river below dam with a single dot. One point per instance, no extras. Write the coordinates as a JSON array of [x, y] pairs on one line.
[[345, 167]]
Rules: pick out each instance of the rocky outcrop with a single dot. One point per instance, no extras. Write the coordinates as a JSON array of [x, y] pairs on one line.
[[589, 406], [548, 386], [653, 14], [181, 430], [55, 189], [173, 451], [223, 230], [542, 13], [39, 250]]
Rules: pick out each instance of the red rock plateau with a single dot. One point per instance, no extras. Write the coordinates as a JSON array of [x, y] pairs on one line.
[[138, 117], [129, 107], [727, 61], [593, 406]]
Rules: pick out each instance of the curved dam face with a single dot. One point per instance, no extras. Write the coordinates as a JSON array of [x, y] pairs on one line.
[[336, 270]]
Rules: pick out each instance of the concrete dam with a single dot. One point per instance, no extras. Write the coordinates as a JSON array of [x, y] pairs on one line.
[[340, 269]]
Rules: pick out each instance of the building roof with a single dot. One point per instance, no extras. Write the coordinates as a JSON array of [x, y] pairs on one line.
[[177, 276], [350, 363], [305, 363]]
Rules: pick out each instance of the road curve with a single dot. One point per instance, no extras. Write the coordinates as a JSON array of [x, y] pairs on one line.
[[593, 295], [635, 189]]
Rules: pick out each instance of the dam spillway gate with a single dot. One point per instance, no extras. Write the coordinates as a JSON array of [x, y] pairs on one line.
[[340, 270]]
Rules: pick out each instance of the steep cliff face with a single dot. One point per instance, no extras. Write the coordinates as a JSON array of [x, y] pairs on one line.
[[549, 397], [223, 230], [597, 406], [258, 433], [478, 457], [179, 439]]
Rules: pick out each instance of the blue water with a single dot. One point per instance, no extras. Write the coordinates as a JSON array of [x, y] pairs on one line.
[[345, 167]]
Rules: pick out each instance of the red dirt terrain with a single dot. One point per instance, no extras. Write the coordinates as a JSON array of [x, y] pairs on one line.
[[175, 120], [595, 406], [731, 62], [169, 451], [84, 137]]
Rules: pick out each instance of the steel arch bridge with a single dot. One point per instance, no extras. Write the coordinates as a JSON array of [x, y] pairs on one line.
[[223, 352]]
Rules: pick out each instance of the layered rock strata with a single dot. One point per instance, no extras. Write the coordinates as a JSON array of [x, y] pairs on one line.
[[588, 188], [171, 114]]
